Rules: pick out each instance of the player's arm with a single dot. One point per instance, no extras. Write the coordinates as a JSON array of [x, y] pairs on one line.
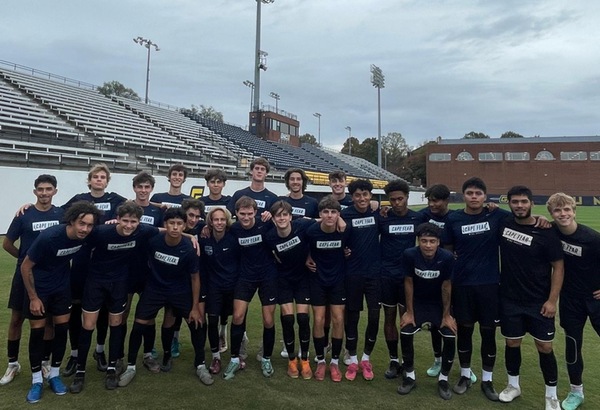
[[195, 315], [310, 263], [35, 305], [408, 318], [447, 319], [558, 273], [9, 246]]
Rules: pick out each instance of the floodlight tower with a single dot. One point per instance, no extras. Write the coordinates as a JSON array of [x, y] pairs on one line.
[[378, 81], [349, 128], [144, 42], [276, 97], [260, 57], [318, 115], [250, 85]]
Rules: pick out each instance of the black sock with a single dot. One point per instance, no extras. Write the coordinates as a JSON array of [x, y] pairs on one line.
[[436, 341], [372, 330], [237, 335], [166, 337], [268, 341], [36, 349], [213, 333], [102, 326], [149, 337], [135, 341], [320, 343], [13, 350], [392, 348], [85, 340], [488, 348], [336, 348], [448, 350], [304, 333], [549, 368], [512, 359], [351, 327], [115, 343], [198, 334], [464, 345], [60, 343], [408, 352]]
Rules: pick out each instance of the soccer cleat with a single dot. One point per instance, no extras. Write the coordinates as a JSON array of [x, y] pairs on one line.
[[231, 369], [488, 389], [204, 375], [57, 386], [151, 364], [573, 401], [347, 358], [284, 353], [215, 366], [120, 367], [127, 377], [70, 368], [78, 383], [435, 369], [101, 363], [306, 371], [325, 351], [444, 390], [11, 371], [473, 378], [462, 385], [267, 367], [244, 347], [552, 403], [167, 366], [154, 353], [320, 372], [35, 393], [509, 394], [407, 385], [111, 382], [366, 368], [394, 370], [351, 371], [45, 369], [334, 372], [292, 370], [175, 348]]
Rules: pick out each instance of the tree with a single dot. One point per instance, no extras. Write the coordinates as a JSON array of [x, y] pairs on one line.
[[208, 112], [350, 142], [367, 150], [510, 134], [394, 149], [116, 88], [308, 139], [474, 135]]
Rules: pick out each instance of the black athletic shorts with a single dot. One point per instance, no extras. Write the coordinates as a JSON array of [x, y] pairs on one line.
[[431, 313], [152, 301], [267, 291], [17, 291], [476, 303], [360, 287], [219, 302], [321, 295], [574, 312], [392, 292], [136, 280], [97, 294], [518, 318], [55, 304], [293, 289]]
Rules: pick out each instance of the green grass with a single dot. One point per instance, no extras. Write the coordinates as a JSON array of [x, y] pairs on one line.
[[250, 390]]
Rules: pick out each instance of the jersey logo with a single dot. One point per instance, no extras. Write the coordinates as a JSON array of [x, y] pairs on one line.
[[103, 206], [329, 244], [260, 204], [282, 247], [298, 211], [517, 237], [360, 222], [119, 246], [147, 219], [251, 240], [40, 226], [427, 274], [343, 206], [164, 258], [475, 228], [437, 223], [571, 249], [401, 228], [171, 204], [208, 250], [68, 251]]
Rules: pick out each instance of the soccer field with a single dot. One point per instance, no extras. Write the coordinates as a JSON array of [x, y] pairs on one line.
[[180, 389]]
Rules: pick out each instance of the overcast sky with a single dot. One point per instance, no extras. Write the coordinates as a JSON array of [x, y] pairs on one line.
[[450, 66]]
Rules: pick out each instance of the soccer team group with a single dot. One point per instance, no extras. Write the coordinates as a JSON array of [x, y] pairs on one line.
[[79, 266]]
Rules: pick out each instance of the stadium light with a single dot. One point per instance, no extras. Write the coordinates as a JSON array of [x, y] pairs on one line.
[[318, 115], [260, 57], [144, 42], [276, 97], [378, 81], [349, 128], [250, 85]]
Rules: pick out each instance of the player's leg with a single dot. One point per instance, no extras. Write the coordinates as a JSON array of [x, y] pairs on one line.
[[487, 305], [448, 352], [373, 297], [436, 347], [337, 334], [117, 301], [513, 327], [392, 292], [243, 294], [15, 303]]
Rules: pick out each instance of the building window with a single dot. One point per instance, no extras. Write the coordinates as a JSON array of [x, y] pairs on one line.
[[573, 155], [464, 156], [516, 156], [490, 156], [544, 156], [595, 156], [440, 156]]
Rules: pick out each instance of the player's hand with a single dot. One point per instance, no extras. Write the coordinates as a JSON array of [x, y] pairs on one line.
[[384, 211], [111, 222], [407, 319], [374, 205], [542, 222], [449, 322], [205, 232], [266, 216], [195, 244], [22, 210], [341, 225], [548, 309], [196, 318], [310, 264], [492, 206], [347, 252], [596, 294], [37, 307]]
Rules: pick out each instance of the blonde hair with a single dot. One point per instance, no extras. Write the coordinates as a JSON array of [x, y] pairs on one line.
[[560, 200]]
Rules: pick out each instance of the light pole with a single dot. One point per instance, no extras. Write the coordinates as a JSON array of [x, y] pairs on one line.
[[318, 115], [250, 85], [260, 62], [276, 97], [349, 128], [144, 42], [378, 81]]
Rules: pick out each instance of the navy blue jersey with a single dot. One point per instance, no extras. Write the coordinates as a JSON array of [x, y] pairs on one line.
[[221, 261], [264, 199], [582, 262], [52, 252], [112, 252], [397, 234], [174, 201], [28, 226], [436, 219], [215, 203], [365, 256], [292, 250], [428, 274], [327, 251], [475, 239], [153, 216], [107, 203], [171, 266], [305, 207], [526, 255], [346, 201], [257, 261]]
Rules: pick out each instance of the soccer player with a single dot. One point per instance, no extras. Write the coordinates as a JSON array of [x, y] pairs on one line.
[[580, 294], [427, 273], [176, 175], [327, 288], [438, 197], [143, 185], [257, 272], [259, 168], [303, 206], [27, 227], [530, 280], [398, 232], [175, 283], [45, 272], [337, 183]]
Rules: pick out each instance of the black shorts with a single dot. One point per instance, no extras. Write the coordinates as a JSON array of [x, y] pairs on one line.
[[267, 291], [321, 295], [219, 302], [55, 304], [362, 287], [392, 292], [203, 292], [17, 292], [574, 312], [476, 303], [518, 318], [136, 281], [152, 301], [79, 272], [97, 294], [293, 289]]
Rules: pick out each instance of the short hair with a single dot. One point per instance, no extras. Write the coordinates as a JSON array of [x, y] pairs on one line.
[[438, 191], [143, 177], [396, 185], [337, 175], [178, 168], [429, 229], [474, 182], [245, 202], [260, 161], [329, 202], [215, 173], [175, 213], [362, 184], [560, 200], [281, 206], [100, 167], [520, 190], [130, 208], [79, 209], [193, 203], [210, 214], [289, 173], [45, 178]]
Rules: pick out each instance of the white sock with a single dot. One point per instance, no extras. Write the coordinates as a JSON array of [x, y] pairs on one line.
[[54, 371], [235, 359], [365, 358], [442, 377], [201, 366], [514, 381], [131, 367], [216, 355], [99, 349], [354, 359], [465, 372], [15, 363], [551, 391], [334, 361], [437, 360], [176, 334], [37, 377], [395, 360], [411, 375], [577, 389], [74, 353], [485, 376]]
